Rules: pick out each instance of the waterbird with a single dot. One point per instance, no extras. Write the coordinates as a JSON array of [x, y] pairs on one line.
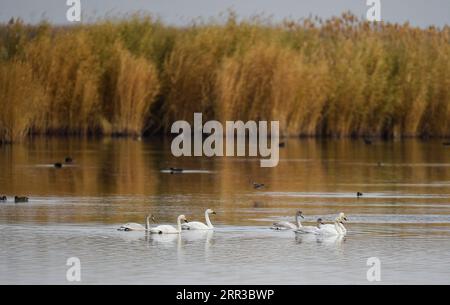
[[196, 225], [132, 226], [359, 194], [258, 186], [310, 229], [174, 170], [18, 199], [258, 204], [58, 165], [168, 229], [285, 225], [334, 229], [368, 141]]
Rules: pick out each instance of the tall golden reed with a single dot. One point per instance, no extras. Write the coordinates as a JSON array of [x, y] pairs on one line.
[[336, 77], [134, 83], [21, 99]]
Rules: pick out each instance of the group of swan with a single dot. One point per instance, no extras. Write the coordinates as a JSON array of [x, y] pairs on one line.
[[337, 228], [168, 229]]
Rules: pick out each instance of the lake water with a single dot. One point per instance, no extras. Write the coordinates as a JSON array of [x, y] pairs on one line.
[[403, 219]]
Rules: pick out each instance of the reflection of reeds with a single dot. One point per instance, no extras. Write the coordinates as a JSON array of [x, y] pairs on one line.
[[338, 77]]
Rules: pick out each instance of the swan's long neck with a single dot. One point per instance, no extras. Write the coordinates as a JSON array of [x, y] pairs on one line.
[[343, 229], [179, 224], [297, 220], [147, 224], [208, 222], [337, 227]]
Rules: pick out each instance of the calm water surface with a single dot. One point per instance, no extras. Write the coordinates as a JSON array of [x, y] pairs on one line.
[[403, 219]]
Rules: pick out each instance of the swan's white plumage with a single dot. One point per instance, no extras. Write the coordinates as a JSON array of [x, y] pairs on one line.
[[329, 229], [343, 229], [307, 230], [132, 226], [168, 229], [326, 229], [197, 225], [164, 229], [285, 225]]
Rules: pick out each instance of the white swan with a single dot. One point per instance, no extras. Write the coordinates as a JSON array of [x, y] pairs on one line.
[[132, 226], [310, 229], [341, 223], [196, 225], [167, 229], [334, 229], [285, 225]]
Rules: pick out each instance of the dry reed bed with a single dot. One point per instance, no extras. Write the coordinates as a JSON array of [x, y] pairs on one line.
[[338, 77]]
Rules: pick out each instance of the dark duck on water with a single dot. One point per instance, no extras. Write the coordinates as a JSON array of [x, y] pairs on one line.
[[18, 199], [258, 186], [174, 170]]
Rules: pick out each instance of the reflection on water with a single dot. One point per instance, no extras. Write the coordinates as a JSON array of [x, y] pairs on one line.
[[403, 217]]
